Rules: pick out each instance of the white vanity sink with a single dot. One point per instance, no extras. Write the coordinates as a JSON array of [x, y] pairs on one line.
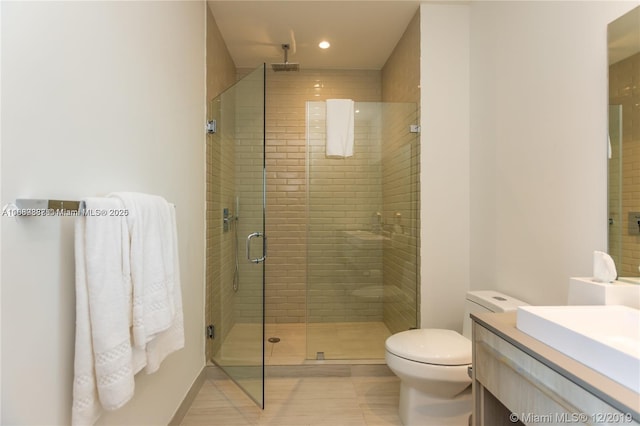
[[604, 338]]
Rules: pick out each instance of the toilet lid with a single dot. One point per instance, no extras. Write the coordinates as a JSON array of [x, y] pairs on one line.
[[431, 346]]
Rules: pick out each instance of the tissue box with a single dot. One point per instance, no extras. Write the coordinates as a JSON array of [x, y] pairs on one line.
[[585, 291]]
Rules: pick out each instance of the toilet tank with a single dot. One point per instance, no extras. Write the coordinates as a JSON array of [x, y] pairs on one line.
[[486, 301]]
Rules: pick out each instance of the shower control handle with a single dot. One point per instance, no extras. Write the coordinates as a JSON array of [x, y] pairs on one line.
[[264, 247]]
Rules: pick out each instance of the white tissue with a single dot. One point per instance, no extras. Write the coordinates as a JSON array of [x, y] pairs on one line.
[[604, 268]]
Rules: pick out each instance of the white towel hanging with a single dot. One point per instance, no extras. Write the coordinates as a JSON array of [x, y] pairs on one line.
[[340, 127], [103, 370], [158, 327]]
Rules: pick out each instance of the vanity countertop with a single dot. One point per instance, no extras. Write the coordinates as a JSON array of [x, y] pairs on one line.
[[615, 394]]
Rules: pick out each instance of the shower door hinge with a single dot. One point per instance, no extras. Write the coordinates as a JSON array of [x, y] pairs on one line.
[[211, 127], [211, 331], [414, 128]]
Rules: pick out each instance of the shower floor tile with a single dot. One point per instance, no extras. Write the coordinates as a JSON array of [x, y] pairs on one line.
[[300, 343]]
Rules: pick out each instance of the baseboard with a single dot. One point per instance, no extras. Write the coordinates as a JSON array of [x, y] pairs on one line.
[[189, 397]]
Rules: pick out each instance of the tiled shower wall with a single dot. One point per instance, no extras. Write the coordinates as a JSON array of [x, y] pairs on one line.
[[398, 189], [286, 225], [362, 219], [400, 169], [401, 182], [624, 89], [346, 237]]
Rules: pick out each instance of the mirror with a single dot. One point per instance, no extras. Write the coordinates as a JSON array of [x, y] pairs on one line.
[[623, 36]]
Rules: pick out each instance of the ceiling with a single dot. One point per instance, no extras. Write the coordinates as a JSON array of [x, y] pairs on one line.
[[362, 33]]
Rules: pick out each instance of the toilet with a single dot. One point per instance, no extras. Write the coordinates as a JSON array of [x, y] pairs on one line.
[[432, 366]]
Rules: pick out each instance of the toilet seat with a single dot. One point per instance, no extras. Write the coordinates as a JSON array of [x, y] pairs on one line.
[[431, 346]]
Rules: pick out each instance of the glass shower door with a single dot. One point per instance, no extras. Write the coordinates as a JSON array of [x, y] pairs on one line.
[[235, 232], [362, 235]]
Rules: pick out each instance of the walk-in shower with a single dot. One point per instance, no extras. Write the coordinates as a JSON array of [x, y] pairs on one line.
[[342, 233]]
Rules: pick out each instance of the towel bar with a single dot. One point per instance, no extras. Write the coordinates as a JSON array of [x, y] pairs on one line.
[[35, 207], [37, 204]]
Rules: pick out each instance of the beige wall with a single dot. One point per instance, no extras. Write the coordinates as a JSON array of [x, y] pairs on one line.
[[401, 72], [538, 144], [221, 71], [444, 163], [96, 97], [518, 203], [623, 77]]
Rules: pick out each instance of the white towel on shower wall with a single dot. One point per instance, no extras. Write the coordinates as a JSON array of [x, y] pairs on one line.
[[340, 127], [103, 371]]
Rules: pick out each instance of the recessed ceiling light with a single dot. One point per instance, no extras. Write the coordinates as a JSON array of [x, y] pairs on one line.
[[324, 44]]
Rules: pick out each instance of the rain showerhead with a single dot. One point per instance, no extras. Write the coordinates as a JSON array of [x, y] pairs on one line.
[[286, 65]]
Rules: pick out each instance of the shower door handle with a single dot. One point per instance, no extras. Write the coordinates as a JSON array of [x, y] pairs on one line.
[[264, 247]]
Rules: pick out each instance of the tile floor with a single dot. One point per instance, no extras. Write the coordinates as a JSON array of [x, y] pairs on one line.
[[299, 390], [366, 396], [347, 340], [300, 342]]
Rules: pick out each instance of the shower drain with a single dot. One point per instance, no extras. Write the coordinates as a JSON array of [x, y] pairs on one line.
[[273, 339]]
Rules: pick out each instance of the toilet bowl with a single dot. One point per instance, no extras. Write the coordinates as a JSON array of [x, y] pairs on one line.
[[432, 365]]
